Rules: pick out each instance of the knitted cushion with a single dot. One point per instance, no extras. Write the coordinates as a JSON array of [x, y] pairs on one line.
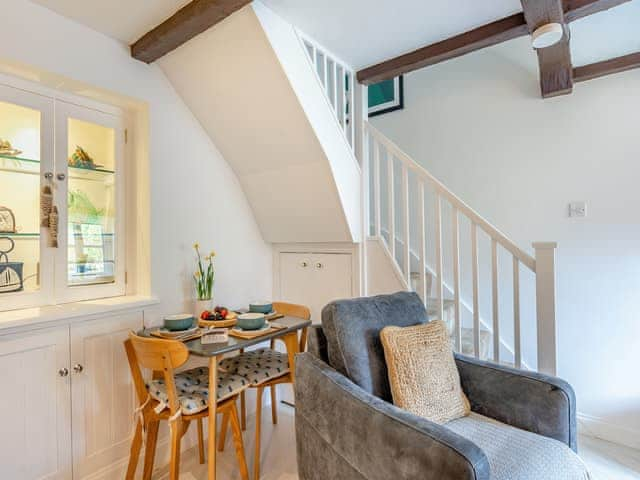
[[257, 366], [192, 387], [422, 371]]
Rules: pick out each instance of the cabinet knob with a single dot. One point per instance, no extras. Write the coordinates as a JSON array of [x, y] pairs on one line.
[[78, 368], [304, 264], [319, 265], [61, 176], [48, 175], [63, 372]]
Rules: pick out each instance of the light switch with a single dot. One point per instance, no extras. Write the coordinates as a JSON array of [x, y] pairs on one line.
[[578, 209]]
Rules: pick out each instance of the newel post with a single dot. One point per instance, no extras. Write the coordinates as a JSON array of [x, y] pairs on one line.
[[546, 306]]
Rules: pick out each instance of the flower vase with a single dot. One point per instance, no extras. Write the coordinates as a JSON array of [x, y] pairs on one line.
[[201, 306]]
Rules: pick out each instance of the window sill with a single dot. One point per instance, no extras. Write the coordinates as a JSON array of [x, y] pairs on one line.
[[70, 311]]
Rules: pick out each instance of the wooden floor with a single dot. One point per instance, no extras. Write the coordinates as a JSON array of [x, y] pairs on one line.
[[606, 461]]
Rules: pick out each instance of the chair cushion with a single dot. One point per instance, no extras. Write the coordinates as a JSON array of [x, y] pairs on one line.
[[422, 371], [257, 366], [192, 387], [515, 453], [352, 329]]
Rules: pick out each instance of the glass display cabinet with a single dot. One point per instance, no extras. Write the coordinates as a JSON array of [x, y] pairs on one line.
[[61, 208]]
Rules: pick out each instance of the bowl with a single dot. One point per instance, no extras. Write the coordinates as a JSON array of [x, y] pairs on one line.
[[175, 323], [251, 321], [261, 307]]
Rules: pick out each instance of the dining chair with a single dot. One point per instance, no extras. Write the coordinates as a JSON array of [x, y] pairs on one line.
[[264, 368], [178, 398]]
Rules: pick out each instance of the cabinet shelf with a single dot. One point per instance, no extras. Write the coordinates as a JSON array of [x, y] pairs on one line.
[[32, 167], [37, 235]]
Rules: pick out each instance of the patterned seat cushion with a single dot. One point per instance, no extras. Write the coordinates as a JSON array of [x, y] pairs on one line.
[[515, 453], [192, 387], [257, 366]]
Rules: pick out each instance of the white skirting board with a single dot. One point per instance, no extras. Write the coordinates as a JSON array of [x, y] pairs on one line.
[[595, 427]]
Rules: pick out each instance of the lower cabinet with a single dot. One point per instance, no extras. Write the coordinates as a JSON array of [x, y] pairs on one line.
[[315, 279], [63, 383]]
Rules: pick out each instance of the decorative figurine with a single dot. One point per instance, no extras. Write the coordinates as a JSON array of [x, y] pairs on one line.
[[7, 220], [11, 279]]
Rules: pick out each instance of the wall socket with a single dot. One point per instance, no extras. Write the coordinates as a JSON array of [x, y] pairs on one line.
[[578, 209]]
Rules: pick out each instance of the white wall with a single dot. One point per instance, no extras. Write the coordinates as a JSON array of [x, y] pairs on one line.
[[479, 125], [195, 196]]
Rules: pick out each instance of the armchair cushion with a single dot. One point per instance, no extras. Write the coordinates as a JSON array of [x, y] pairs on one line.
[[515, 453], [352, 330]]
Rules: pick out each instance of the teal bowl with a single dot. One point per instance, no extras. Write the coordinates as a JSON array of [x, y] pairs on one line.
[[251, 321], [261, 307], [175, 323]]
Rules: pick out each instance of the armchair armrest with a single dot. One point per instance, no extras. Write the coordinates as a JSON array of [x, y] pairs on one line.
[[344, 432], [527, 400]]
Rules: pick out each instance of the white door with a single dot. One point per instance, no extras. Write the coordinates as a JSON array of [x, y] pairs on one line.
[[102, 392], [315, 279], [35, 405]]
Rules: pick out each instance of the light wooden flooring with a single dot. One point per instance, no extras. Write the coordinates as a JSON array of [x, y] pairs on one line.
[[607, 461]]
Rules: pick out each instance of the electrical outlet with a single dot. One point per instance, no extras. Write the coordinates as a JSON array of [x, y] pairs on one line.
[[578, 209]]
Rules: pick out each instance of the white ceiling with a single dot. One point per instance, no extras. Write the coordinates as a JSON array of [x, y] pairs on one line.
[[124, 20], [364, 32]]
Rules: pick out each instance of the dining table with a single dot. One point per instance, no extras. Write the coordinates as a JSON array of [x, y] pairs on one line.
[[287, 332]]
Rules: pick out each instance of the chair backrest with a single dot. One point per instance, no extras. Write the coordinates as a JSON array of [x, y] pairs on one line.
[[161, 357], [294, 310], [352, 331]]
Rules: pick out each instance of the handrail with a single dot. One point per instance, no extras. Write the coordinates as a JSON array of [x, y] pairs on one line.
[[455, 201]]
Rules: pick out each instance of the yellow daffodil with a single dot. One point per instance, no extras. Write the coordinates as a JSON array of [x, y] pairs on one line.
[[213, 253], [196, 245]]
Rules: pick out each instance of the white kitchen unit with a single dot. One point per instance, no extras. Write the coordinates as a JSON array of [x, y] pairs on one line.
[[68, 398], [315, 275]]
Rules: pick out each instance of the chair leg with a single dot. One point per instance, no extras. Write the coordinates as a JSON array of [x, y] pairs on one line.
[[200, 442], [134, 456], [238, 443], [256, 454], [223, 430], [150, 448], [174, 464], [274, 404], [243, 411]]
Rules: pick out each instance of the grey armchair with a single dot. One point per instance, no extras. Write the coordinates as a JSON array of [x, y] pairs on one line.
[[523, 424]]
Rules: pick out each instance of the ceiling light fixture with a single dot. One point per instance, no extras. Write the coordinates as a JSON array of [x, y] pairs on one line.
[[547, 35]]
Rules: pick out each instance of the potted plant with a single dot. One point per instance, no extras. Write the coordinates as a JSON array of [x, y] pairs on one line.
[[204, 278]]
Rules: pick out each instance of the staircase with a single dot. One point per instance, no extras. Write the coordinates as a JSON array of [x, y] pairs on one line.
[[406, 210]]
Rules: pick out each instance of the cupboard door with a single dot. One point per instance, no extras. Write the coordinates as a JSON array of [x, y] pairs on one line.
[[89, 176], [26, 163], [35, 405], [102, 392], [315, 279]]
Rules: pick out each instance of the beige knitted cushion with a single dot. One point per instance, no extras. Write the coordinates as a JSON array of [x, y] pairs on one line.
[[422, 371]]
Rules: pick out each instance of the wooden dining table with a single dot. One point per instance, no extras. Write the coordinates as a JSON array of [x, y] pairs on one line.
[[216, 351]]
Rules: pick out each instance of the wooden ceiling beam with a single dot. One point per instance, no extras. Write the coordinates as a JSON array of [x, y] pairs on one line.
[[606, 67], [493, 33], [191, 20], [556, 70]]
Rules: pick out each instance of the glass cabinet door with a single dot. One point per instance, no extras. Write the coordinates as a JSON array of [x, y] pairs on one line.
[[26, 166], [90, 261]]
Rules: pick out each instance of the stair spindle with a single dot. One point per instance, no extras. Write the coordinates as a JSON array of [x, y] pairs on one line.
[[406, 257], [439, 290], [391, 205], [457, 325], [377, 189], [476, 281], [494, 300], [423, 245], [516, 313]]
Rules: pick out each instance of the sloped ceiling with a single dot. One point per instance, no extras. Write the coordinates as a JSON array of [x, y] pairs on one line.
[[232, 81]]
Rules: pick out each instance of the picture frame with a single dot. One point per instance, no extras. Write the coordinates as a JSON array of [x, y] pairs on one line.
[[386, 96]]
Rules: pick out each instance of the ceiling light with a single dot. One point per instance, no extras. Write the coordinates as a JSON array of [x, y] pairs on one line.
[[547, 35]]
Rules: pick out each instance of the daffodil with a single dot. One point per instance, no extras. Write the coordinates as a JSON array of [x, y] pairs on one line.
[[213, 253], [196, 245]]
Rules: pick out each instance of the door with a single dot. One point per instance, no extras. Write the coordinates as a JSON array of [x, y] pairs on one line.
[[315, 279], [35, 405], [102, 392]]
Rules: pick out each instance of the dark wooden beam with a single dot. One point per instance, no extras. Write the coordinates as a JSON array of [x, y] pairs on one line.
[[186, 23], [607, 67], [577, 9], [493, 33], [556, 71]]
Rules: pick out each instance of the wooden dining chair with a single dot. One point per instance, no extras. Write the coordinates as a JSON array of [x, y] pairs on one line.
[[264, 368], [178, 398]]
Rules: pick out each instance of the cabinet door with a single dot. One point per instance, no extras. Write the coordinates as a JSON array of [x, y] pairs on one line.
[[102, 392], [35, 405], [26, 166], [315, 279], [90, 262]]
